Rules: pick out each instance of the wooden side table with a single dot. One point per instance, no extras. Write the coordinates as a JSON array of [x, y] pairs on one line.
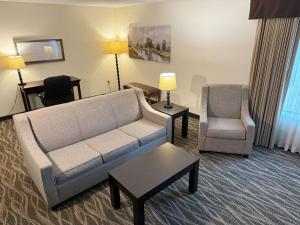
[[149, 91], [175, 112]]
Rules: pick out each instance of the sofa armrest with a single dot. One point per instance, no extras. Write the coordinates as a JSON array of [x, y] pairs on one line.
[[203, 112], [245, 116], [37, 163], [154, 116]]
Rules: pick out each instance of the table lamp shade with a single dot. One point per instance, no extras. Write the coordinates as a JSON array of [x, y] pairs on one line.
[[167, 81], [16, 62], [116, 47]]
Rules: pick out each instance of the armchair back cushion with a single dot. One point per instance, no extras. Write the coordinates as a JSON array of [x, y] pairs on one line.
[[224, 101], [125, 106], [55, 127], [95, 116]]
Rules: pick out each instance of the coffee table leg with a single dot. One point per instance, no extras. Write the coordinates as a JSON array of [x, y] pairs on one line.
[[114, 194], [138, 212], [193, 179]]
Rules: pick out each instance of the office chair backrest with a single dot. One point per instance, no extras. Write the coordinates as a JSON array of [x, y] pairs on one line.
[[58, 90]]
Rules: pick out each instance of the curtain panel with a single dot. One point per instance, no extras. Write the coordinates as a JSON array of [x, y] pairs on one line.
[[288, 130], [271, 62], [264, 9]]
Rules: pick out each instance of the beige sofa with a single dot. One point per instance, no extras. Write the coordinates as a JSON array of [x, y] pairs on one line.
[[69, 148], [225, 124]]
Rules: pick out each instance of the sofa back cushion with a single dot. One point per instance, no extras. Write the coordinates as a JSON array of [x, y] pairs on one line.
[[224, 101], [125, 106], [95, 116], [55, 127]]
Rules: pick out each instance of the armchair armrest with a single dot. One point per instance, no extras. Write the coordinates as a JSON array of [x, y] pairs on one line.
[[154, 116], [37, 163], [203, 112], [245, 116]]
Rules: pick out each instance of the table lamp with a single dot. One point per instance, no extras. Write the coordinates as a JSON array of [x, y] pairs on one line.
[[167, 82], [17, 63], [116, 47]]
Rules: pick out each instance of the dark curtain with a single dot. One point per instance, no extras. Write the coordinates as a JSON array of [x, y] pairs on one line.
[[264, 9]]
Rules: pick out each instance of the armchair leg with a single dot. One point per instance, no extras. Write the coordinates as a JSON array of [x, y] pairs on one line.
[[246, 156]]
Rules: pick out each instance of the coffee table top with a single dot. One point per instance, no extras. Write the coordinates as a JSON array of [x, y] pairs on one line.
[[142, 174]]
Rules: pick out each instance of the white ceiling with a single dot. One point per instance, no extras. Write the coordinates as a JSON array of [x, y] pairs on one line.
[[99, 3]]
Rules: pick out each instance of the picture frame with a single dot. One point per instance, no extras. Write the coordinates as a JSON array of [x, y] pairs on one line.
[[40, 50]]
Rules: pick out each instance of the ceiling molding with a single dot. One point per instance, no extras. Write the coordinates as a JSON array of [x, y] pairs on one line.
[[94, 3]]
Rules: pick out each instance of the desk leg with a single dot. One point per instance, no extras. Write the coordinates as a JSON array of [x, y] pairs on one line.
[[79, 91], [193, 178], [27, 102], [138, 212], [185, 124], [24, 101], [173, 129]]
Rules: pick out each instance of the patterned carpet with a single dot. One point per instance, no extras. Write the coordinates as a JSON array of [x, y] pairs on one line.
[[264, 189]]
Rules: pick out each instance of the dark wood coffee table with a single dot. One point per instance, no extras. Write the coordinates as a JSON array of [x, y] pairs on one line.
[[146, 175], [175, 112]]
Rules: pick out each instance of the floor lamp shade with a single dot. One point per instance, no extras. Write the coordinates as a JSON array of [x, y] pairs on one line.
[[16, 62], [116, 47]]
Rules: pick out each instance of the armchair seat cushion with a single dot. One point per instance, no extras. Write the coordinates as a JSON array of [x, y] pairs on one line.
[[144, 130], [74, 160], [225, 128], [113, 144]]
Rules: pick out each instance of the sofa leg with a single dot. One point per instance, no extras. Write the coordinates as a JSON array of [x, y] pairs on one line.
[[246, 156]]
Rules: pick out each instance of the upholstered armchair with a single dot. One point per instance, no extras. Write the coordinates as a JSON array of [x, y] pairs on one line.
[[225, 124]]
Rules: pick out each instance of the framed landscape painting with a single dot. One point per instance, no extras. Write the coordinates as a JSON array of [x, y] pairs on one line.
[[150, 43]]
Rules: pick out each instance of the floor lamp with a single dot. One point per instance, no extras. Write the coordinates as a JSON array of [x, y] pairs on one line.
[[116, 48]]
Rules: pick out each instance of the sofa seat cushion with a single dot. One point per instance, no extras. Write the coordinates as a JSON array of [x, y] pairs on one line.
[[74, 160], [225, 128], [144, 130], [113, 144]]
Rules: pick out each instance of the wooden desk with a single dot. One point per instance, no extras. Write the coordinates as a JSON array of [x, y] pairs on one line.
[[36, 87]]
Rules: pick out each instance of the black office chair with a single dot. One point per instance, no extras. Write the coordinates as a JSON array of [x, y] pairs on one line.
[[58, 90]]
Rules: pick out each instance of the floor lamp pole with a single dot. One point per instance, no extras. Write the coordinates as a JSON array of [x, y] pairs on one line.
[[20, 77], [118, 72]]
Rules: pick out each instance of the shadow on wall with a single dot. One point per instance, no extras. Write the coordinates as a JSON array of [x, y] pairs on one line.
[[175, 98], [196, 87]]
